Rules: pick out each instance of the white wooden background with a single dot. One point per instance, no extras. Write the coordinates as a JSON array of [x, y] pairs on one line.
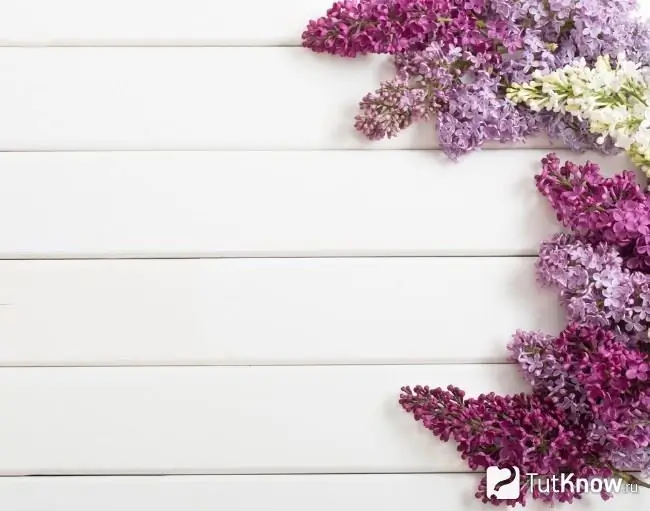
[[206, 274]]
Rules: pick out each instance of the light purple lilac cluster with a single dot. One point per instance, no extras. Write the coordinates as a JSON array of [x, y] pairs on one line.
[[455, 58], [588, 411], [595, 288]]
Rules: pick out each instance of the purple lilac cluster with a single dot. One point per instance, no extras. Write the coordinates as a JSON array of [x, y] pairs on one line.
[[473, 113], [521, 430], [601, 384], [412, 95], [594, 286], [588, 410], [574, 134], [352, 28], [602, 271], [587, 414], [460, 56], [613, 210], [602, 268]]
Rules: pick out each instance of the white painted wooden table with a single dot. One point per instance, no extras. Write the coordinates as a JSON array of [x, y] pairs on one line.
[[207, 275]]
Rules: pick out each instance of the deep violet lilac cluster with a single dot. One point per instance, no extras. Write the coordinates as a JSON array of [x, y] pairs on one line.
[[588, 414], [601, 384], [455, 58], [588, 409], [521, 430]]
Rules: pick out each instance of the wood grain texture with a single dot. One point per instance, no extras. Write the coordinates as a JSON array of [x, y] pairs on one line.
[[379, 492], [156, 22], [161, 22], [189, 98], [268, 311], [251, 204], [227, 420]]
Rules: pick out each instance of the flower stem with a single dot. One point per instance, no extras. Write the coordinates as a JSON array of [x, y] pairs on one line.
[[630, 478]]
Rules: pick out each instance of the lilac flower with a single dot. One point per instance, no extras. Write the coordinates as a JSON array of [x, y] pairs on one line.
[[379, 26], [587, 415], [474, 113], [501, 40], [353, 28], [526, 431], [391, 108], [594, 286], [633, 459], [604, 27], [614, 210], [579, 363], [568, 131], [435, 67], [600, 383], [638, 372]]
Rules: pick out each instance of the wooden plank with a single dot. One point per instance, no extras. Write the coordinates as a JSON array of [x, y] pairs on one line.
[[379, 492], [156, 22], [161, 22], [189, 98], [268, 311], [249, 204], [227, 420]]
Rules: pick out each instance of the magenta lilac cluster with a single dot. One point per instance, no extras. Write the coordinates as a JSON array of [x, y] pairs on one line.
[[613, 210], [455, 58], [588, 409]]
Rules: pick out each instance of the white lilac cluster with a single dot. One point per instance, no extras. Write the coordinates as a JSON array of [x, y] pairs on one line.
[[612, 99]]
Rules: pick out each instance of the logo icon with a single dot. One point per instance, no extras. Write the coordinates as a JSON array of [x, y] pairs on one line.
[[503, 483]]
